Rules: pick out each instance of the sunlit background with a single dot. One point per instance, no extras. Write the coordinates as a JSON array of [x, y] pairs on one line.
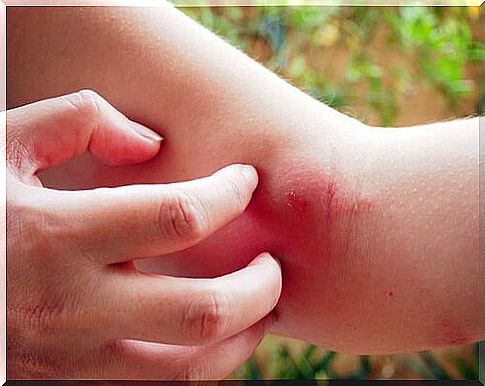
[[386, 66]]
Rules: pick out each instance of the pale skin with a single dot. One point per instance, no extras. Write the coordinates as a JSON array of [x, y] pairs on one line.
[[77, 307], [376, 229]]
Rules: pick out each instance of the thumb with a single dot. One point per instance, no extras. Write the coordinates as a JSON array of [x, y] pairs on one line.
[[52, 131]]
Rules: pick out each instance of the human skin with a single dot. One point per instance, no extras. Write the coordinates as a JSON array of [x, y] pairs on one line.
[[77, 307], [376, 229]]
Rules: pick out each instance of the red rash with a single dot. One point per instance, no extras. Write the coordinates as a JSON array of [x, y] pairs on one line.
[[290, 206], [297, 214], [300, 216], [301, 210]]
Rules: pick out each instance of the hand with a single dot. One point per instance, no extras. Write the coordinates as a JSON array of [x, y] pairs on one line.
[[77, 307]]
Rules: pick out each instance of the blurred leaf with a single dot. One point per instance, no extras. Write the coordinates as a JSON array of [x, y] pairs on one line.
[[433, 366], [465, 371]]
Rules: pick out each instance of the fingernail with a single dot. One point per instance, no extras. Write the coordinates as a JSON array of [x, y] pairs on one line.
[[145, 132], [249, 172]]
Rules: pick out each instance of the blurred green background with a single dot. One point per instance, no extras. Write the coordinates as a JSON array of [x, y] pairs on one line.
[[386, 66]]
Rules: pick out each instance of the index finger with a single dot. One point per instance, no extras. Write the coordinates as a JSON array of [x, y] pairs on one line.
[[52, 131]]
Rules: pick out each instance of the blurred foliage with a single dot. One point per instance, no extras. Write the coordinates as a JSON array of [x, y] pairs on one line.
[[436, 44], [364, 61], [277, 359]]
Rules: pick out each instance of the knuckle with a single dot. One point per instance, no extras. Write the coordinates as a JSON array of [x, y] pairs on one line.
[[53, 319], [182, 217], [48, 319], [32, 227], [32, 365], [90, 98], [17, 154], [204, 319], [42, 230], [47, 323], [87, 102]]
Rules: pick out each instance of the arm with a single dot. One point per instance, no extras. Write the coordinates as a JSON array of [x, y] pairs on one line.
[[376, 229]]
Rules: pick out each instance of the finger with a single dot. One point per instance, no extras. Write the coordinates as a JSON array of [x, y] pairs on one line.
[[141, 360], [119, 224], [190, 311], [49, 132]]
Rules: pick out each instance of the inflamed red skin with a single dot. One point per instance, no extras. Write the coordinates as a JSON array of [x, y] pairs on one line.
[[308, 211], [303, 216], [351, 281]]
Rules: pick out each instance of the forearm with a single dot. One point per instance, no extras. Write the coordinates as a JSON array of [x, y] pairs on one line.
[[370, 262], [182, 80], [415, 256]]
